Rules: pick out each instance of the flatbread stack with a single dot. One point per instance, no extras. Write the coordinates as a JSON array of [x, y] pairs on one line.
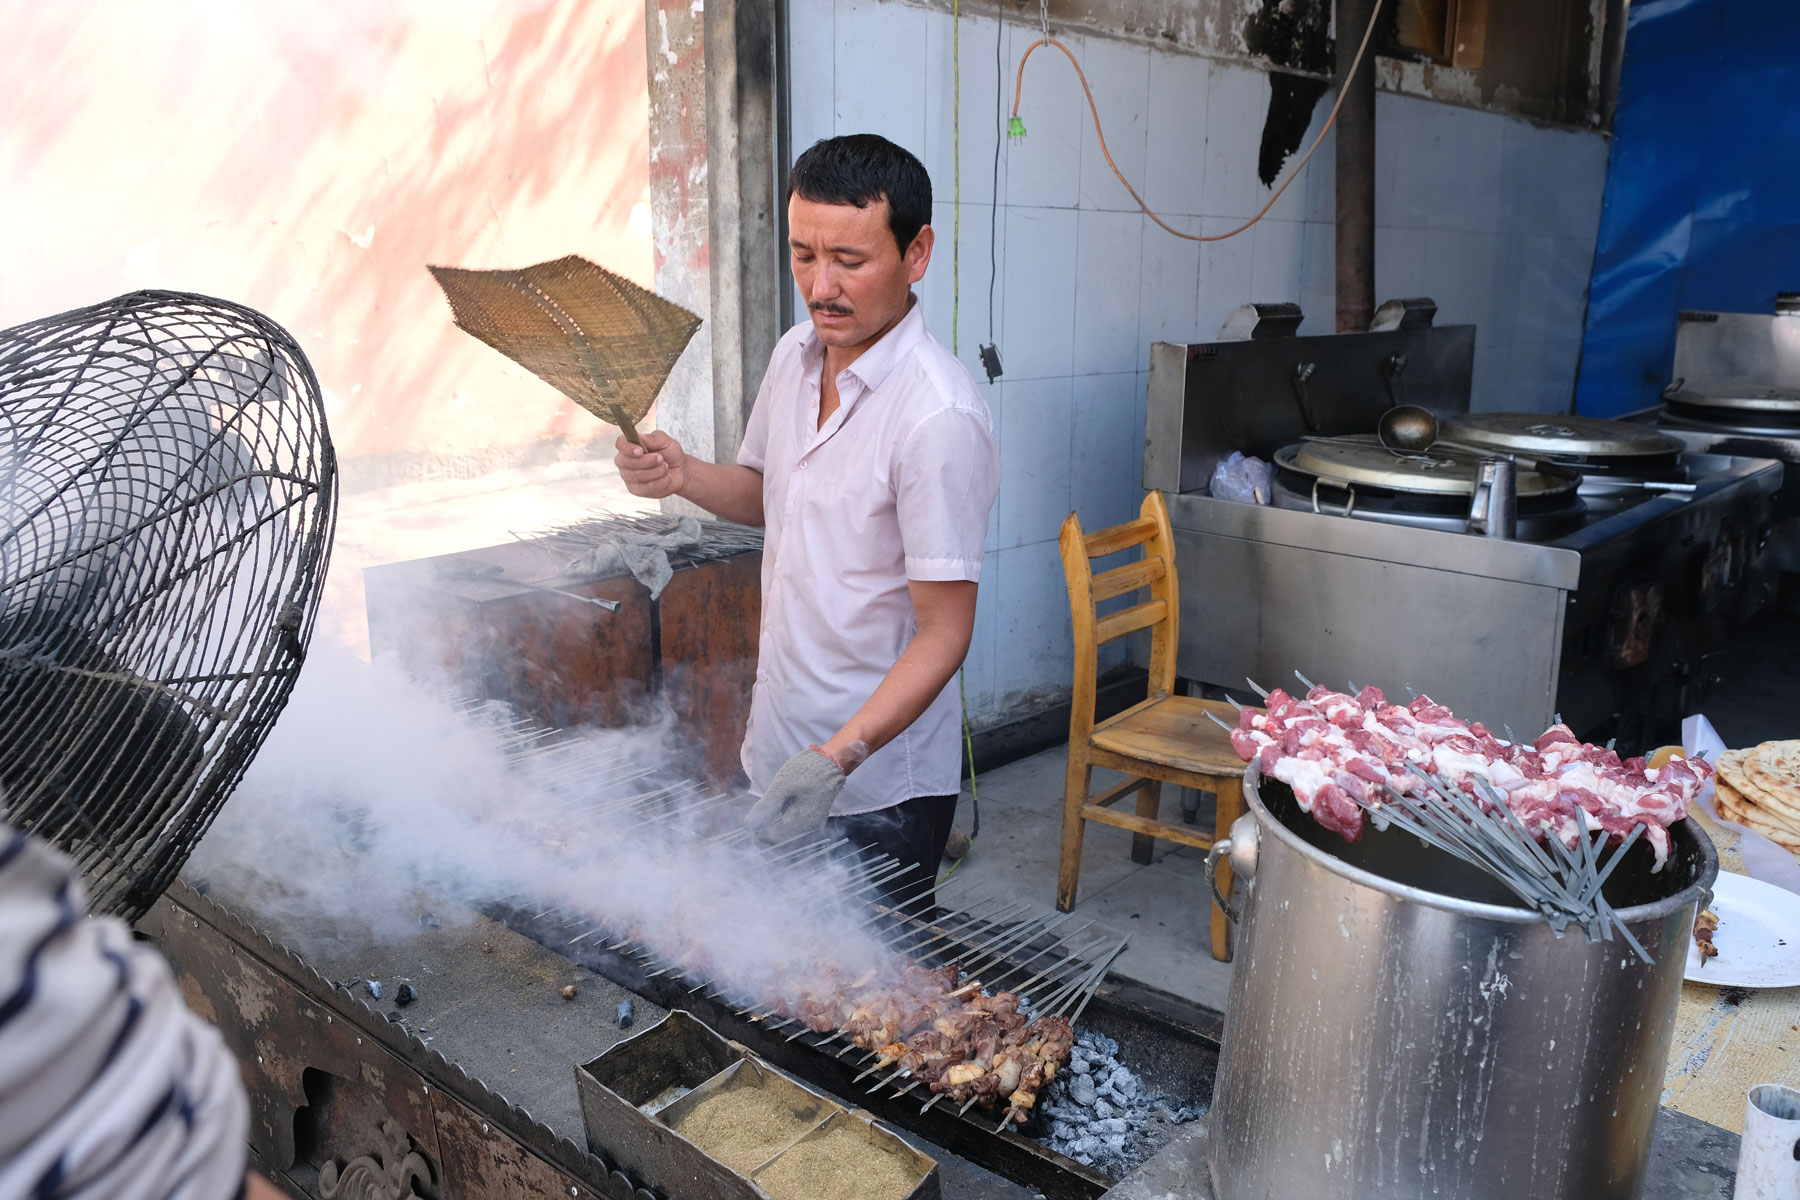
[[1760, 788]]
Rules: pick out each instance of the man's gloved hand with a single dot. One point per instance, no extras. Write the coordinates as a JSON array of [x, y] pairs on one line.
[[798, 799]]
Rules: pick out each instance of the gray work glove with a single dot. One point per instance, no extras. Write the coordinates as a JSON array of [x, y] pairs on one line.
[[798, 799]]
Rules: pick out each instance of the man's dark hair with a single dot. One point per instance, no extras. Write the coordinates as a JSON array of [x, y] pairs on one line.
[[861, 168]]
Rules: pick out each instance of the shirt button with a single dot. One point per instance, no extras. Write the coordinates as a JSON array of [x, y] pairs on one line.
[[803, 464]]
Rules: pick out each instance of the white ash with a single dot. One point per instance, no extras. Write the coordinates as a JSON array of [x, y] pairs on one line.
[[1101, 1114]]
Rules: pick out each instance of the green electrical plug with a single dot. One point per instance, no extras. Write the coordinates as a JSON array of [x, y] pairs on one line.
[[1015, 128]]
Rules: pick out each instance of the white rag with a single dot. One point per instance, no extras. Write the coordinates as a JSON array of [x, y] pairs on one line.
[[645, 555]]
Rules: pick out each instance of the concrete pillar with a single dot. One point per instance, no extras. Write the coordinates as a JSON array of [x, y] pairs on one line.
[[746, 155], [1355, 171], [678, 211]]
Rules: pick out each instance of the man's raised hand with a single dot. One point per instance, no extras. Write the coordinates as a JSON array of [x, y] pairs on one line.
[[656, 469]]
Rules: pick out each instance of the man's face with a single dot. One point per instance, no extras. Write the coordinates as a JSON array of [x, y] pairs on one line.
[[852, 274]]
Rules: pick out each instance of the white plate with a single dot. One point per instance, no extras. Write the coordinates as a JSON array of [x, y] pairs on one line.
[[1758, 938]]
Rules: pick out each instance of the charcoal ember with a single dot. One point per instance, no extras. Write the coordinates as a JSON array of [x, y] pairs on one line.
[[1102, 1108], [405, 994], [393, 1018], [1116, 1143], [627, 1014], [1079, 1064], [374, 988], [1062, 1131], [1108, 1125], [1081, 1091], [428, 920]]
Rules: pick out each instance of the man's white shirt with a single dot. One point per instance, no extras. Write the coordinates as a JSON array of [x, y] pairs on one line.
[[897, 486]]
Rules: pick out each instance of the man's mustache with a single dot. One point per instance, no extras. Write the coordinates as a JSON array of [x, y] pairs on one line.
[[837, 310]]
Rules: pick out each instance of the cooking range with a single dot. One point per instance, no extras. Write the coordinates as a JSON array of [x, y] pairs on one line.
[[1736, 390], [1630, 556]]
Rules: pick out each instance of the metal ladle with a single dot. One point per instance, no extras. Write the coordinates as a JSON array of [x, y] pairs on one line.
[[1407, 429]]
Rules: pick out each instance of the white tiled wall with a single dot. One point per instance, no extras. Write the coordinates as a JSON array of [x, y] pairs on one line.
[[1493, 218]]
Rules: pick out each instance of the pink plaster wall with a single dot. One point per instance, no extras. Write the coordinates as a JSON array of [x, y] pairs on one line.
[[309, 159]]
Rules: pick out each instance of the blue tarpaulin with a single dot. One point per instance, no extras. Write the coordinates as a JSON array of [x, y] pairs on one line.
[[1702, 207]]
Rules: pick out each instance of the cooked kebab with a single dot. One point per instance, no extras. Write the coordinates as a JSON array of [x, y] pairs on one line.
[[961, 1042], [1706, 925]]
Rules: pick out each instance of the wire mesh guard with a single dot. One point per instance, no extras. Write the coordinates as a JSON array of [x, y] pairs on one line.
[[168, 491]]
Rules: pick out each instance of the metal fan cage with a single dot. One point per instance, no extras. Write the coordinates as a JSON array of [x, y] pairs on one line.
[[168, 491]]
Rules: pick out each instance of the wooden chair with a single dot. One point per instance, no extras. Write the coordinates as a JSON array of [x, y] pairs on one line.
[[1167, 738]]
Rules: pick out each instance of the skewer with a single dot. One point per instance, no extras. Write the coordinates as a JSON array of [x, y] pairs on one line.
[[1056, 970], [1232, 702], [1256, 687], [1309, 684], [1082, 977], [996, 950], [1221, 722], [1092, 982]]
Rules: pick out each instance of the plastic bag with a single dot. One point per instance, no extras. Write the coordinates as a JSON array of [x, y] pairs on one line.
[[1246, 480]]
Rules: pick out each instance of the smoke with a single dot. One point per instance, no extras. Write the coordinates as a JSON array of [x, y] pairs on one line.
[[375, 800]]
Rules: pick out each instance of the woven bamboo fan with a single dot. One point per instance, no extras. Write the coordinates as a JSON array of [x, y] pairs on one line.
[[601, 340]]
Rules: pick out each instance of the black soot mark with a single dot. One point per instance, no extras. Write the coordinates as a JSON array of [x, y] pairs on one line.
[[1295, 34], [1291, 102]]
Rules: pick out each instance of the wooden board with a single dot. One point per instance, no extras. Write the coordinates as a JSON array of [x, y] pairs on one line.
[[565, 663]]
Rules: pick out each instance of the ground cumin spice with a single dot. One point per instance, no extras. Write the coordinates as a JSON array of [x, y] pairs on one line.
[[838, 1164], [741, 1126]]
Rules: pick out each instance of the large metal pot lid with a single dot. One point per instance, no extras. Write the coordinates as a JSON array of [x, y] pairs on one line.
[[1739, 399], [1562, 436], [1441, 471]]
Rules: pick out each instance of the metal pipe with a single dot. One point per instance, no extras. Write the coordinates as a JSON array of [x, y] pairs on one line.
[[1355, 171]]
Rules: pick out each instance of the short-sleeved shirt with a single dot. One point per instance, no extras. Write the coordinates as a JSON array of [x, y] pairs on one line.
[[896, 487]]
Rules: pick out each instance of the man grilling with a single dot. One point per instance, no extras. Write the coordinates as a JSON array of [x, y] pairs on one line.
[[869, 458]]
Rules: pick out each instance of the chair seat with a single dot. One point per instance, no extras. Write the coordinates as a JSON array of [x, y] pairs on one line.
[[1173, 732]]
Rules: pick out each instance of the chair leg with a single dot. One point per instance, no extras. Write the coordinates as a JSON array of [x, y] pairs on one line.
[[1149, 804], [1075, 794], [1230, 806]]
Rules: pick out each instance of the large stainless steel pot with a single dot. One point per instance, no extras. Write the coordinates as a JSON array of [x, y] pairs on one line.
[[1385, 1040]]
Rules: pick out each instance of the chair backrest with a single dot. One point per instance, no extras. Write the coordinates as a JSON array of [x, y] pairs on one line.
[[1160, 613]]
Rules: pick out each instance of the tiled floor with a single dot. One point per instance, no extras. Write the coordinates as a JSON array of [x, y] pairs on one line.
[[1163, 907]]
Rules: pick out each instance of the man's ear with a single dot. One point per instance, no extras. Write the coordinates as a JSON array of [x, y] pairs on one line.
[[918, 255]]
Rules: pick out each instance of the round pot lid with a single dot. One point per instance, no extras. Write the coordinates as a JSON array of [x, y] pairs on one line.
[[1740, 399], [1440, 471], [1559, 436]]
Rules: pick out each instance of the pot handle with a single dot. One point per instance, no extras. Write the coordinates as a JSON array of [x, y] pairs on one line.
[[1219, 849]]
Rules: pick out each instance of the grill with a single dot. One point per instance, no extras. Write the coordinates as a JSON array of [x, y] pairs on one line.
[[1056, 962]]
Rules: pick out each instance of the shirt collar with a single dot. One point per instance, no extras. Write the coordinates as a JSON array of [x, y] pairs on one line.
[[876, 363]]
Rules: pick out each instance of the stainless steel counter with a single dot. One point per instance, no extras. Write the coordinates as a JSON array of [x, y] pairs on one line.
[[1506, 632]]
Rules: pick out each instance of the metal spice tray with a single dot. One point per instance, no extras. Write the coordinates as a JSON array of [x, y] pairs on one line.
[[635, 1094]]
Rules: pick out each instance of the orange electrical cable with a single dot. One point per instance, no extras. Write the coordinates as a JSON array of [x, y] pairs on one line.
[[1019, 91]]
